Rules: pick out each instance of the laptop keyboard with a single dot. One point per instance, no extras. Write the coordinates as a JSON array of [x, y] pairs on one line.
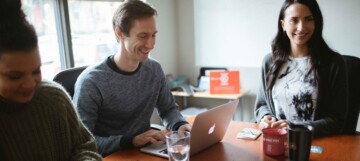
[[164, 151]]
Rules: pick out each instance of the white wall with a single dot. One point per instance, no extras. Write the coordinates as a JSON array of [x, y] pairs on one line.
[[341, 25], [166, 47], [186, 39], [229, 32]]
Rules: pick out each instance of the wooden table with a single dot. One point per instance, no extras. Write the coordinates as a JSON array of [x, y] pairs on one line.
[[341, 147]]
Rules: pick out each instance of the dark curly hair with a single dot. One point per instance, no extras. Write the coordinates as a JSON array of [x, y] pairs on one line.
[[16, 33]]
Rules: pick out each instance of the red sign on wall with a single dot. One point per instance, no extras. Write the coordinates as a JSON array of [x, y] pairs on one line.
[[225, 82]]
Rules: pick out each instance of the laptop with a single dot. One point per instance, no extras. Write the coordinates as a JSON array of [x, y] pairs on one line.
[[208, 129]]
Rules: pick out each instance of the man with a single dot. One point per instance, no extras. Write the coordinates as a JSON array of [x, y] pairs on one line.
[[115, 99]]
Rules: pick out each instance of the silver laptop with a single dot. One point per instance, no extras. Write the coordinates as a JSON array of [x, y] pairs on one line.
[[208, 129]]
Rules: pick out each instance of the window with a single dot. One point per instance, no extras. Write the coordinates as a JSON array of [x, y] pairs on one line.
[[40, 13], [91, 30], [92, 38]]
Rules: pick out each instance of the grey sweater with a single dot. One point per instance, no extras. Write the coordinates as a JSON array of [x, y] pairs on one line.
[[45, 129], [332, 103], [116, 106]]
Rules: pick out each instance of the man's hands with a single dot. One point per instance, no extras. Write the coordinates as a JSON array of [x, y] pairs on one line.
[[185, 127], [154, 136], [270, 122], [151, 135]]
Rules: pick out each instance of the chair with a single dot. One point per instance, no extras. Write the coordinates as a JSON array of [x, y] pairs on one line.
[[353, 68], [67, 78]]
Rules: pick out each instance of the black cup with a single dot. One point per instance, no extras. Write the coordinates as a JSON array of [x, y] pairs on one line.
[[299, 141]]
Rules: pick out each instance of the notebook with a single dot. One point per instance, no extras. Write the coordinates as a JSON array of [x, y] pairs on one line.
[[208, 129]]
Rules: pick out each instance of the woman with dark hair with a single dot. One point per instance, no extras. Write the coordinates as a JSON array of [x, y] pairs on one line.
[[37, 118], [303, 80]]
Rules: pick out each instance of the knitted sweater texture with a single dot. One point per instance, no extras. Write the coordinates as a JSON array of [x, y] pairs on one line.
[[114, 104], [45, 129]]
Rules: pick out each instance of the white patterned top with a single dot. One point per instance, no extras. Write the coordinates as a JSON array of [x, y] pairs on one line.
[[295, 92]]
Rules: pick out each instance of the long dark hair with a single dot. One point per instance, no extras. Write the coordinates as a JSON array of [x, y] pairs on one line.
[[318, 49], [16, 33]]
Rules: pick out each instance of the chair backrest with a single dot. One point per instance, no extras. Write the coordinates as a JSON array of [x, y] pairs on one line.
[[353, 68], [68, 77]]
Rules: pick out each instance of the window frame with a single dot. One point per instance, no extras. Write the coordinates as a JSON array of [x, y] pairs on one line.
[[64, 32]]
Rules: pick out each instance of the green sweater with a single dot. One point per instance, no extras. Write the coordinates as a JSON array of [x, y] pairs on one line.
[[45, 129]]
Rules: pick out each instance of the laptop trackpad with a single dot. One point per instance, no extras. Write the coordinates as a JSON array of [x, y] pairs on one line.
[[158, 149]]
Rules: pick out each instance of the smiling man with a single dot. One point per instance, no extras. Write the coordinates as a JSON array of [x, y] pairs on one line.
[[115, 98]]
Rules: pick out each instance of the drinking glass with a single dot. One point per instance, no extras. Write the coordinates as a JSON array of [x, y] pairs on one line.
[[178, 145]]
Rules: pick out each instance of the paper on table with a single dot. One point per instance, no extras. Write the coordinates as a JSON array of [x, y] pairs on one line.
[[249, 133], [204, 84]]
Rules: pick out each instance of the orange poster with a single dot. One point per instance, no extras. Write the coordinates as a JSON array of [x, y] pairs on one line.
[[225, 82]]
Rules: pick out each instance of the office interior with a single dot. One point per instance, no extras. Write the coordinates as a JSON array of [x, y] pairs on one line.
[[176, 41], [234, 34]]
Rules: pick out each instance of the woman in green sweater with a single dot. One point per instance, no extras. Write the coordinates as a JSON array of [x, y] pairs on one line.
[[37, 118]]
